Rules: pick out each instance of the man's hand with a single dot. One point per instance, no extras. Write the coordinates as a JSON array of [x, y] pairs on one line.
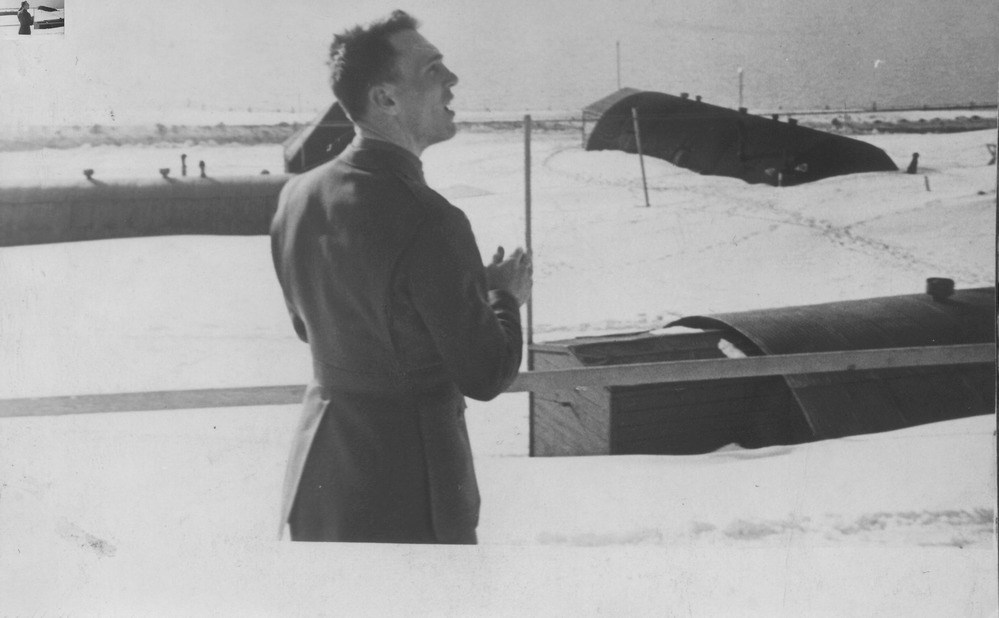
[[514, 274]]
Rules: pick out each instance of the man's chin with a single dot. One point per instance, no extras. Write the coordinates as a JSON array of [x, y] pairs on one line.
[[446, 133]]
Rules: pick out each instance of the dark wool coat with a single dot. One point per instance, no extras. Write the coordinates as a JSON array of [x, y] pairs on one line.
[[383, 279], [25, 19]]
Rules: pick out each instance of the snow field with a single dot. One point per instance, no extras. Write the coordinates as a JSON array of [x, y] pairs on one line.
[[166, 513]]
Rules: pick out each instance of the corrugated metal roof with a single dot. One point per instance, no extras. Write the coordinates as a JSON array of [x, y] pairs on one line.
[[715, 140], [597, 108], [856, 402]]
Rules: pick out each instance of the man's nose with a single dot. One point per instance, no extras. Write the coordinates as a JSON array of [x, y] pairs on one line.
[[452, 79]]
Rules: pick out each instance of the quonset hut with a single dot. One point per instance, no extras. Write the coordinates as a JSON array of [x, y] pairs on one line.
[[319, 141], [691, 417], [719, 141]]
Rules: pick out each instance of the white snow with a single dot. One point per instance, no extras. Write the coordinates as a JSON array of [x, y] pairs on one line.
[[170, 513]]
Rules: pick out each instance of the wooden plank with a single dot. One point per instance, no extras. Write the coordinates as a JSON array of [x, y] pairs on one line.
[[543, 381], [726, 368], [153, 400]]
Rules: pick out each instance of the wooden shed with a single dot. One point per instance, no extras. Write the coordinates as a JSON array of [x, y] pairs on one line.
[[679, 418], [702, 416]]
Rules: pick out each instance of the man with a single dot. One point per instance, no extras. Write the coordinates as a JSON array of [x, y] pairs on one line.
[[383, 279], [24, 18]]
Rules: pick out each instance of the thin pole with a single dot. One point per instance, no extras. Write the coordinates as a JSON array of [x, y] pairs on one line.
[[641, 159], [530, 300], [619, 65], [740, 86], [527, 225], [874, 93]]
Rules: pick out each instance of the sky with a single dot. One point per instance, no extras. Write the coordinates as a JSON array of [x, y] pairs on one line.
[[118, 56]]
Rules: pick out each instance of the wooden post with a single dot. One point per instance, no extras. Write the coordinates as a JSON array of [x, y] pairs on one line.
[[641, 160], [530, 301]]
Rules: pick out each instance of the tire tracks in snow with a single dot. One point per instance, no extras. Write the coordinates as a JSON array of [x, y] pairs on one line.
[[845, 236], [750, 206]]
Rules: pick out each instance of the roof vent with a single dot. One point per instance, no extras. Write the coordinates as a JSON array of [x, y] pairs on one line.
[[940, 288]]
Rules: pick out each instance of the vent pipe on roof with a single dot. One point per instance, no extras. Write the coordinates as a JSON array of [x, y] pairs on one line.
[[940, 288]]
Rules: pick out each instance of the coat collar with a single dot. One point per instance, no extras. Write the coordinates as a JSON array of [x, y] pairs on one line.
[[369, 153]]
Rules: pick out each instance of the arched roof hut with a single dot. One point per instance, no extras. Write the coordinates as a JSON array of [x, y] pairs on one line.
[[714, 140]]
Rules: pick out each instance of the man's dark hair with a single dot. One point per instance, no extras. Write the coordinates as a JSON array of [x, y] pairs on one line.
[[363, 57]]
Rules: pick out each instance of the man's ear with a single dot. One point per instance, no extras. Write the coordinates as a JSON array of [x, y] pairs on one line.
[[382, 97]]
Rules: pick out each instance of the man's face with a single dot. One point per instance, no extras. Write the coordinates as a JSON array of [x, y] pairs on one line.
[[423, 89]]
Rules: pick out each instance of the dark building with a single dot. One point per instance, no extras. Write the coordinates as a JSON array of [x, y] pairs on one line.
[[719, 141], [319, 141]]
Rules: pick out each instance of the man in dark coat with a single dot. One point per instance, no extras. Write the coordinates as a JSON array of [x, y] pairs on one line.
[[25, 18], [383, 279]]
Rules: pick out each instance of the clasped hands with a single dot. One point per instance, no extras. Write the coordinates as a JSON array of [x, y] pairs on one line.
[[514, 274]]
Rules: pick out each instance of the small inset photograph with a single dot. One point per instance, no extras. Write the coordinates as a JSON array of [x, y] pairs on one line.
[[25, 18]]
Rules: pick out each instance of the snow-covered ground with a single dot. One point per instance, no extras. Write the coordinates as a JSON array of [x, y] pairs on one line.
[[175, 512]]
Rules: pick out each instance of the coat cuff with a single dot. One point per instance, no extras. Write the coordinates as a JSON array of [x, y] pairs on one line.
[[501, 299]]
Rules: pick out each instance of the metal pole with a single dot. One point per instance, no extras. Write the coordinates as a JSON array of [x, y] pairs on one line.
[[530, 300], [641, 160], [874, 93], [527, 226], [619, 65], [740, 87]]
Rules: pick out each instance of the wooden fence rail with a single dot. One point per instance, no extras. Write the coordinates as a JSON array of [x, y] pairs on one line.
[[589, 377]]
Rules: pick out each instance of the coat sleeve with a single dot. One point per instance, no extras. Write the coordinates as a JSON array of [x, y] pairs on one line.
[[477, 331], [283, 261]]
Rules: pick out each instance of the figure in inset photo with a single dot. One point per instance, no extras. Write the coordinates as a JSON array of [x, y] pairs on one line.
[[25, 18]]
